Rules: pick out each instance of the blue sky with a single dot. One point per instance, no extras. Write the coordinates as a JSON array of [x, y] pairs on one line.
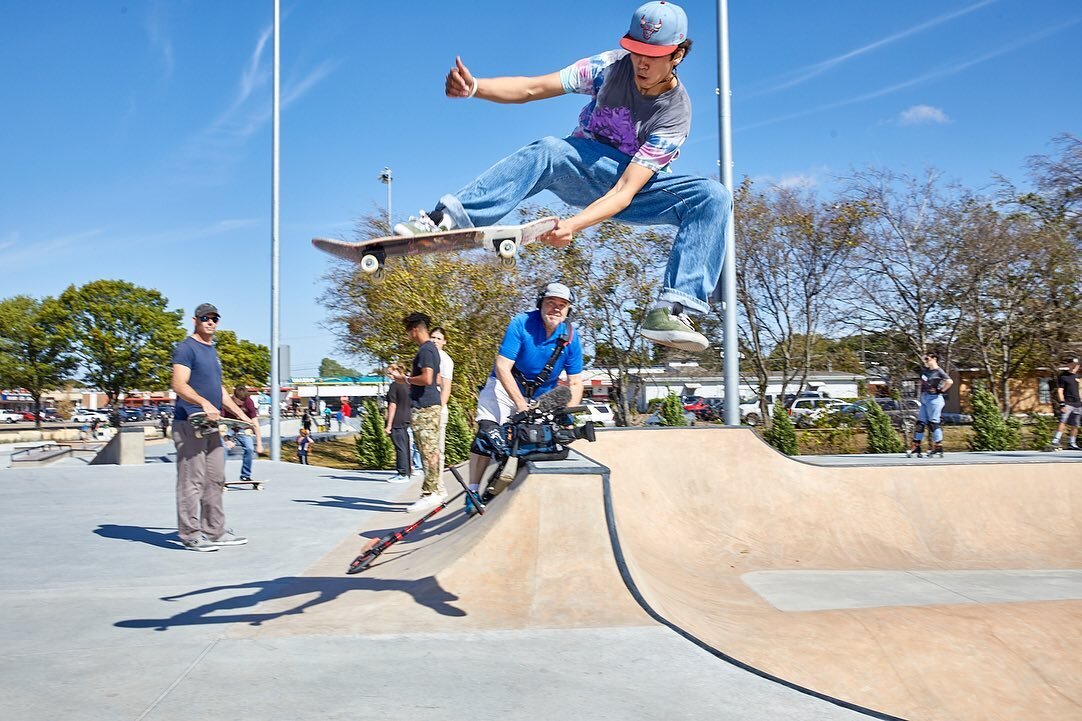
[[136, 134]]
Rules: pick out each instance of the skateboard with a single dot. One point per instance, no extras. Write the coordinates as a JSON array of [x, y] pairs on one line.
[[503, 240], [256, 485], [223, 425]]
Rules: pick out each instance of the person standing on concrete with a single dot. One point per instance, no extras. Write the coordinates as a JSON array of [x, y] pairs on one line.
[[447, 371], [197, 381], [252, 444], [397, 424], [934, 384], [425, 406], [1068, 404]]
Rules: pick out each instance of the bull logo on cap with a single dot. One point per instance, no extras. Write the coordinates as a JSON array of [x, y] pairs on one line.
[[648, 28]]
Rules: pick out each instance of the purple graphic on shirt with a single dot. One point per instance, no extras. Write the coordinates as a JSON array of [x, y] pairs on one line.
[[616, 126]]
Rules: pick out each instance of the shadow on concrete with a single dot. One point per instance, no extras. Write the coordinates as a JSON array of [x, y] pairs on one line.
[[361, 477], [425, 591], [357, 504], [160, 537]]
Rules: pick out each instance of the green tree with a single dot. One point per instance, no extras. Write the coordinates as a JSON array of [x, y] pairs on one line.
[[991, 431], [615, 271], [781, 433], [459, 435], [124, 335], [671, 411], [466, 293], [36, 349], [375, 451], [882, 438], [330, 368], [243, 362]]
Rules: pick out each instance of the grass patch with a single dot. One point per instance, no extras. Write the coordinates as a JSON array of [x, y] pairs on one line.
[[340, 452]]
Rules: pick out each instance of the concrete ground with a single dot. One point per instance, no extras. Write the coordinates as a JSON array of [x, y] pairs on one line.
[[526, 612]]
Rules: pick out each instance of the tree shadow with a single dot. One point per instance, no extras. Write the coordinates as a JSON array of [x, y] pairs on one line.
[[425, 591], [160, 537], [358, 504]]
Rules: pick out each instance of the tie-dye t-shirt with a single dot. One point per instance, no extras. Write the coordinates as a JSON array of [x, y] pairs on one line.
[[650, 129]]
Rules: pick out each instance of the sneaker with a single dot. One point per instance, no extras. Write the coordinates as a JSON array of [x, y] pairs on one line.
[[674, 329], [471, 507], [425, 503], [423, 224], [228, 539], [200, 544], [399, 478]]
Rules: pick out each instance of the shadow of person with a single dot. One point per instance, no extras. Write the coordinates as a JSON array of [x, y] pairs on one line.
[[357, 504], [425, 591], [160, 537]]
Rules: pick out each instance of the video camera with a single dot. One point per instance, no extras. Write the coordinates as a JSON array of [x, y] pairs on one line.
[[544, 435]]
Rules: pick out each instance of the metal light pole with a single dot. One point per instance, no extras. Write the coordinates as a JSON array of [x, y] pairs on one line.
[[387, 178], [275, 379], [731, 364]]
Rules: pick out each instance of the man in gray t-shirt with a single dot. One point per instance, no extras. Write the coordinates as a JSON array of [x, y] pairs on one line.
[[615, 164], [197, 381]]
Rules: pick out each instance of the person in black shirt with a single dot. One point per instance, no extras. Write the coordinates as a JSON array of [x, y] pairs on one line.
[[1068, 404], [398, 422], [425, 406]]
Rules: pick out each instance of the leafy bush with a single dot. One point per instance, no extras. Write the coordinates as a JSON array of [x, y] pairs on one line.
[[882, 438], [375, 451], [991, 431], [459, 435], [672, 411], [781, 433], [1041, 429]]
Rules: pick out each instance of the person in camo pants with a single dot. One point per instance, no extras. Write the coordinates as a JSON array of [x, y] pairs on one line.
[[425, 403]]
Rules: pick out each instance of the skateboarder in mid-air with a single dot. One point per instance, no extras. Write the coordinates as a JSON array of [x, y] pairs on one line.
[[615, 164]]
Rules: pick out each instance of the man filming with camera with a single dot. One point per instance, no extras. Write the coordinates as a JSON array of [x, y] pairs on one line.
[[537, 347]]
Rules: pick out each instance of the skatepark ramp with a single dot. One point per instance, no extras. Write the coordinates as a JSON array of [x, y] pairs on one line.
[[917, 592]]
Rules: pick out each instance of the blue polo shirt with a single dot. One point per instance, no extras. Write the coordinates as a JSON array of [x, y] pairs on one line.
[[528, 344]]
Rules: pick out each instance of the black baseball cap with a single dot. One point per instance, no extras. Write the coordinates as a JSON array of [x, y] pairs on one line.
[[206, 309]]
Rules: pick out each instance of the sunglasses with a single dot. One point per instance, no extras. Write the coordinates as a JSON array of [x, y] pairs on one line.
[[209, 318]]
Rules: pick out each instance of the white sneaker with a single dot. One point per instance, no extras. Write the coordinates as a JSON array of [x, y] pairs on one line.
[[419, 225], [426, 503], [399, 478]]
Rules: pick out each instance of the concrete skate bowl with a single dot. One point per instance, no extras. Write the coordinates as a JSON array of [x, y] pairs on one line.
[[540, 557], [874, 586]]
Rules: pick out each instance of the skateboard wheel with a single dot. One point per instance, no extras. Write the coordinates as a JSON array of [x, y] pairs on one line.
[[507, 248], [370, 263], [510, 262]]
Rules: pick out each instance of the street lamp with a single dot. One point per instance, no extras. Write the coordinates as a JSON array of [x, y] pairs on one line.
[[386, 178]]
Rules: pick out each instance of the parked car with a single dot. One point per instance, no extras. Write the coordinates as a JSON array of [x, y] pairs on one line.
[[86, 416], [11, 417], [902, 415], [655, 419], [955, 419], [28, 416], [805, 411], [132, 415], [600, 413], [694, 404]]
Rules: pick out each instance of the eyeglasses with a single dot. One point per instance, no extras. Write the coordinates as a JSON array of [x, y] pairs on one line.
[[209, 318]]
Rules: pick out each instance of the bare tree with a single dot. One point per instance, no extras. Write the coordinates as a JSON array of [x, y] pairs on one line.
[[791, 251], [897, 277]]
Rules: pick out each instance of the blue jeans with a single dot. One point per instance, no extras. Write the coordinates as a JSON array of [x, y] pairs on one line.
[[579, 171], [415, 452], [931, 408], [246, 442]]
